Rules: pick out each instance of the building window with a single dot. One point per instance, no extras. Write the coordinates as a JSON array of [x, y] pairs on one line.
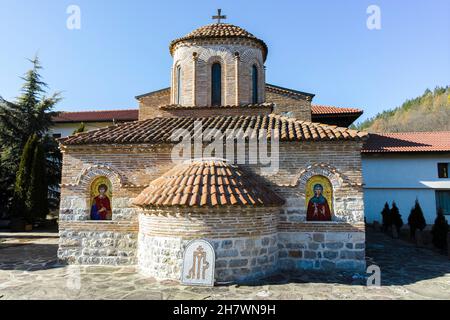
[[179, 85], [255, 84], [216, 84], [443, 201], [443, 170]]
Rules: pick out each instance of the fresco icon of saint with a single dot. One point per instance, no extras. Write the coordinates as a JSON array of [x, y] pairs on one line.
[[319, 199], [101, 197]]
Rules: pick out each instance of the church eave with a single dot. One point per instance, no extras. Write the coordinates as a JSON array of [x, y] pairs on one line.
[[158, 130]]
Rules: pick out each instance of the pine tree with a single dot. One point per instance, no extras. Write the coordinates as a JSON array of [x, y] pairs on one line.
[[80, 129], [416, 220], [31, 113], [396, 217], [20, 209], [37, 196], [440, 231], [386, 215]]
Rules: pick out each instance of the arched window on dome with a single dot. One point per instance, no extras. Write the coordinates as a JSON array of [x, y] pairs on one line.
[[216, 84], [179, 85], [254, 84]]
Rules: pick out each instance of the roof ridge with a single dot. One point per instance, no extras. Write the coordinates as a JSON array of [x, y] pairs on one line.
[[333, 106], [425, 141], [228, 106], [94, 111], [410, 132], [293, 91]]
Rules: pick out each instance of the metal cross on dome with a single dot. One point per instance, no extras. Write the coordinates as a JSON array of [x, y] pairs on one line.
[[219, 16]]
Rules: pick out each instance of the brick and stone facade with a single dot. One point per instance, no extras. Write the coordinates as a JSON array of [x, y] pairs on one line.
[[242, 251], [255, 220], [282, 101], [299, 244]]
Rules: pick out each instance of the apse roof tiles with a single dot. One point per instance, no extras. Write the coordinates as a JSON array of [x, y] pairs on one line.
[[207, 183]]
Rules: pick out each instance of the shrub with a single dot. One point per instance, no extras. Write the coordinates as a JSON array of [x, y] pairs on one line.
[[386, 216], [416, 220], [440, 230], [396, 217], [80, 129]]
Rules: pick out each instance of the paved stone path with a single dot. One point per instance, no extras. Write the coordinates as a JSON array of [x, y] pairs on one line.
[[29, 270]]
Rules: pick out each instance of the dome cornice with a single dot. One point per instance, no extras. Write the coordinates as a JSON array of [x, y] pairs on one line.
[[220, 31]]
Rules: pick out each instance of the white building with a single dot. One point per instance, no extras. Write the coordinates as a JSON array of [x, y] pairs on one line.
[[403, 167], [67, 122]]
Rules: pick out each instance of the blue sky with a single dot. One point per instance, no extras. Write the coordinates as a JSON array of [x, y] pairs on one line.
[[321, 46]]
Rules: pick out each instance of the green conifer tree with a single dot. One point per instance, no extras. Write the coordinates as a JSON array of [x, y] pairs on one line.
[[440, 231], [37, 196], [386, 216], [31, 113], [20, 209], [416, 220], [396, 217], [80, 129]]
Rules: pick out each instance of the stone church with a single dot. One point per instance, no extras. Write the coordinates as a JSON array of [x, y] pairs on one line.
[[125, 201]]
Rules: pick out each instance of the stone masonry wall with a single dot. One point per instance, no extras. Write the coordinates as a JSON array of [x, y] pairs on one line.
[[135, 166], [323, 250], [208, 111], [237, 259], [98, 243], [196, 60], [244, 240], [95, 242], [149, 104], [131, 167], [299, 108], [295, 107]]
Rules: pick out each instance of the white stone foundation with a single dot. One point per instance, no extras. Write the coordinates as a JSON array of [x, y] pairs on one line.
[[322, 251], [237, 259]]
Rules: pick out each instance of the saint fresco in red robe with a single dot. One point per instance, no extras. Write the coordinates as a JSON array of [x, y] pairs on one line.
[[318, 208], [101, 207]]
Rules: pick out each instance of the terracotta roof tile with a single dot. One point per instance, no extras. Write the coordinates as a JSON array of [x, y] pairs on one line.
[[197, 189], [245, 106], [408, 142], [159, 130], [219, 31], [97, 116], [331, 110]]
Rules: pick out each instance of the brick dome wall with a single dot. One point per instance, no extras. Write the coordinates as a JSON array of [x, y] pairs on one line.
[[234, 48], [196, 62]]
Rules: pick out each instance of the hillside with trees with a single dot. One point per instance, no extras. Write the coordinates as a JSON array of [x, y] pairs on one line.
[[429, 112]]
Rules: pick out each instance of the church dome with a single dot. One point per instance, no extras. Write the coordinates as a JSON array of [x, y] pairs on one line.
[[220, 31], [207, 183]]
